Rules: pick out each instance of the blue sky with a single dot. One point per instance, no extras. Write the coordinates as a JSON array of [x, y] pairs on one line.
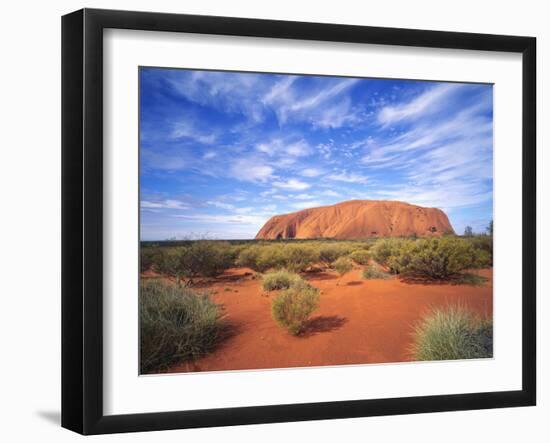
[[222, 152]]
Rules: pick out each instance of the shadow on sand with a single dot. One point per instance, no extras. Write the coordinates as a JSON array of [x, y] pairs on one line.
[[354, 283], [465, 278], [321, 276], [324, 323]]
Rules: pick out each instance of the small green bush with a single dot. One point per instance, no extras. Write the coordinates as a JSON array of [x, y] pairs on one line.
[[481, 259], [202, 258], [483, 244], [298, 258], [389, 252], [279, 280], [374, 273], [360, 256], [343, 265], [176, 325], [262, 257], [148, 257], [248, 257], [329, 253], [437, 258], [168, 263], [206, 258], [293, 306], [453, 334]]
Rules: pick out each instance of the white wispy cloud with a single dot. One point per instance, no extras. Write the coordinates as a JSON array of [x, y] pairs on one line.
[[330, 193], [445, 164], [221, 205], [223, 218], [323, 107], [348, 177], [430, 101], [304, 196], [165, 161], [279, 146], [336, 115], [252, 170], [280, 91], [311, 172], [163, 204], [186, 129], [322, 96], [292, 184], [230, 92]]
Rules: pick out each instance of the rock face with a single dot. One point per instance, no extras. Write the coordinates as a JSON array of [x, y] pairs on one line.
[[357, 219]]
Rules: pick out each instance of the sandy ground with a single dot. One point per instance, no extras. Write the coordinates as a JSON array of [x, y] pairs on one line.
[[359, 321]]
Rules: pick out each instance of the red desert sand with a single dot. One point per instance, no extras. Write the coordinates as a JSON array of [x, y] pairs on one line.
[[359, 321], [356, 219]]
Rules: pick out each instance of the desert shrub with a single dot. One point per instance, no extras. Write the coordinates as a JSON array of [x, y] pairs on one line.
[[329, 253], [374, 273], [481, 259], [206, 258], [293, 306], [360, 256], [168, 263], [248, 257], [281, 279], [176, 324], [147, 258], [389, 252], [261, 257], [298, 258], [451, 334], [437, 258], [235, 250], [203, 258], [343, 265], [483, 244]]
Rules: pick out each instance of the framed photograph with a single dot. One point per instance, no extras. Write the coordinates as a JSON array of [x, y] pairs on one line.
[[268, 221]]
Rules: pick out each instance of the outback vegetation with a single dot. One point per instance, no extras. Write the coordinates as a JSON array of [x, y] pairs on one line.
[[281, 279], [433, 258], [453, 333], [294, 305], [373, 272], [176, 324], [179, 323]]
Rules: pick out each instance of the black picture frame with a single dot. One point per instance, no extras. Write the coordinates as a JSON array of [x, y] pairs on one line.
[[82, 218]]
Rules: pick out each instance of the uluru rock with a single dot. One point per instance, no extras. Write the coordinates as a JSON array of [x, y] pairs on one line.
[[357, 219]]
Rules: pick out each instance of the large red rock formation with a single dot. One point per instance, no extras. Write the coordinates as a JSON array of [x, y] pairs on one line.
[[356, 219]]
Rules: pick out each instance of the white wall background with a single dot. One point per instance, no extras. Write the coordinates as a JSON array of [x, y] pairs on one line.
[[30, 218]]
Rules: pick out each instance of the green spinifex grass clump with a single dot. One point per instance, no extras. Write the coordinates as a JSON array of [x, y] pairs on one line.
[[176, 325], [453, 333], [279, 280], [292, 308], [374, 273]]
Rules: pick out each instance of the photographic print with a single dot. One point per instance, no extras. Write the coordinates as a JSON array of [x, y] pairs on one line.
[[291, 221]]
